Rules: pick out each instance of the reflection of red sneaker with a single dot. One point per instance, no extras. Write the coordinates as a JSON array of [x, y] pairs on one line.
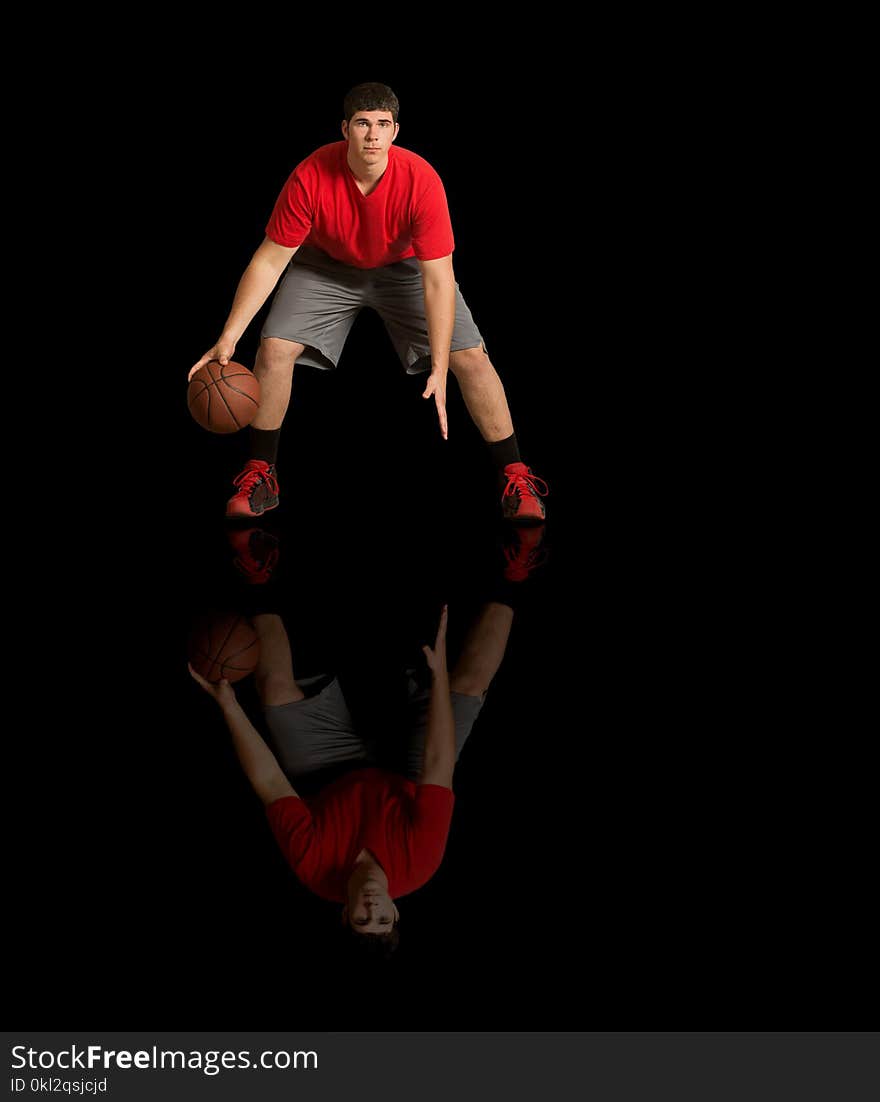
[[521, 499], [524, 554], [256, 553], [257, 490]]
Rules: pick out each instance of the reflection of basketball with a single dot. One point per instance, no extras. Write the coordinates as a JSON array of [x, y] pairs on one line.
[[223, 397], [224, 646]]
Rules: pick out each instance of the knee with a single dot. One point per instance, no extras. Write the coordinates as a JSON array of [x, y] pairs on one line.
[[471, 362], [277, 354], [468, 683]]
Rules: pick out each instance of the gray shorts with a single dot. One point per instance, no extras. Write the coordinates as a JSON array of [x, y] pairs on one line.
[[318, 732], [319, 298]]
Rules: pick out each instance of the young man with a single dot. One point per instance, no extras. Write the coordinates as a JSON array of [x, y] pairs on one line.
[[371, 835], [368, 225]]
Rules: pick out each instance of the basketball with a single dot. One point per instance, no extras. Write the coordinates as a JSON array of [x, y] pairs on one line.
[[223, 397], [224, 646]]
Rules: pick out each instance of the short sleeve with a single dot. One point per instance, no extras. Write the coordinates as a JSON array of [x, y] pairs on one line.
[[291, 220], [432, 227], [431, 818], [293, 827]]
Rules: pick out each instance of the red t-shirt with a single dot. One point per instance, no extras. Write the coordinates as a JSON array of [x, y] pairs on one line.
[[402, 824], [404, 215]]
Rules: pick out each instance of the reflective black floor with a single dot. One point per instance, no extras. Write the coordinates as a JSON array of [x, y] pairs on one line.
[[359, 603], [620, 815]]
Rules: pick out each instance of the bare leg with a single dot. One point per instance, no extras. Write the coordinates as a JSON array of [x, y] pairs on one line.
[[274, 672], [483, 392], [483, 650], [274, 369]]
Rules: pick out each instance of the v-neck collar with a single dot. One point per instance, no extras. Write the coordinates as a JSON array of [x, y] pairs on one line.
[[353, 179]]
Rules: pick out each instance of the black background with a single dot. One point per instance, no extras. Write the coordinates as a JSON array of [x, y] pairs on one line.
[[604, 802]]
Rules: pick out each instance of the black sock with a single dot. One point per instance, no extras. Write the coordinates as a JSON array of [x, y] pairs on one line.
[[264, 444], [255, 600], [507, 593], [504, 452]]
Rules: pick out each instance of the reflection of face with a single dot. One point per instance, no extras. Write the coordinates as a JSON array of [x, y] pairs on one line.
[[372, 910], [370, 134]]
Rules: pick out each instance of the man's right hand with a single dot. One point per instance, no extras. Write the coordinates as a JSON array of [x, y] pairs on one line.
[[221, 351], [221, 691]]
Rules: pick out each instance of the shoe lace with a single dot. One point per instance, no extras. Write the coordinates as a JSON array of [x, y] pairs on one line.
[[527, 481], [252, 476]]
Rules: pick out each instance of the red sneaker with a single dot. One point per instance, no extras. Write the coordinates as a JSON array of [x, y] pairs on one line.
[[524, 554], [256, 553], [257, 490], [521, 499]]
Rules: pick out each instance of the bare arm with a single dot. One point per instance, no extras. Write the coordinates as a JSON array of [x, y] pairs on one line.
[[257, 760], [439, 763], [438, 284], [254, 287]]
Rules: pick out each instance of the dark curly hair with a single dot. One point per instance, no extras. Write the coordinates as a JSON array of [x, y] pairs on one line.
[[370, 97]]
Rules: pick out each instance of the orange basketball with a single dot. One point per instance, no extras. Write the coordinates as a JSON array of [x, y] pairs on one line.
[[223, 397], [224, 646]]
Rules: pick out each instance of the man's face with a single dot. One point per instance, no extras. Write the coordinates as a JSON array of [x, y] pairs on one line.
[[372, 910], [370, 134]]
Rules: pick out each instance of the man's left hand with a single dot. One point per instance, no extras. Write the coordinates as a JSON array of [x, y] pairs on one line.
[[437, 387]]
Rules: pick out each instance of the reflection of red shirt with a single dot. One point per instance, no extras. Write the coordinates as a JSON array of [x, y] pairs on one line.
[[402, 824], [404, 215]]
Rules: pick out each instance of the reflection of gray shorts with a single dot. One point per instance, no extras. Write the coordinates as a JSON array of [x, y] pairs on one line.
[[318, 732], [319, 298]]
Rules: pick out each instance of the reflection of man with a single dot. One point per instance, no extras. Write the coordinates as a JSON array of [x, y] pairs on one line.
[[370, 836], [368, 225]]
